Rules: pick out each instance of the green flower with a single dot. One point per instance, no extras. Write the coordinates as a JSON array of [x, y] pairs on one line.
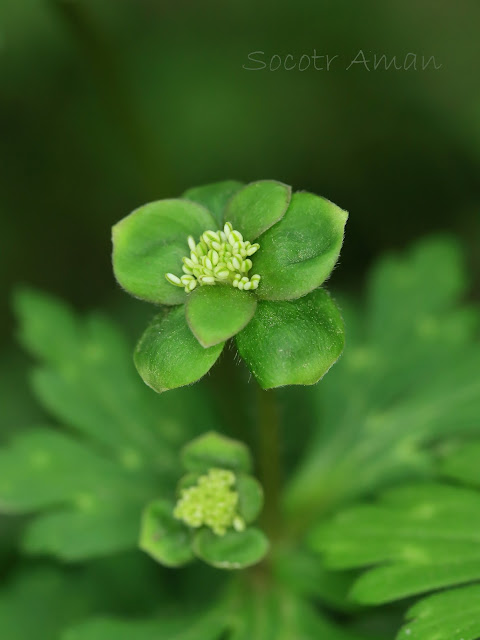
[[217, 502], [212, 501], [228, 260]]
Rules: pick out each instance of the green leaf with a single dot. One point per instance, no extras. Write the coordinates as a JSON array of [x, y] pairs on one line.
[[409, 376], [214, 450], [215, 314], [169, 356], [101, 500], [257, 207], [80, 592], [250, 497], [214, 197], [207, 626], [163, 537], [49, 329], [298, 253], [151, 242], [462, 464], [304, 573], [34, 592], [427, 280], [450, 615], [87, 487], [234, 550], [90, 385], [423, 537], [94, 528], [277, 614], [292, 342]]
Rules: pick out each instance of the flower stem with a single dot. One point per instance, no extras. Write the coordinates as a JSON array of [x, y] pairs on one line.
[[269, 460]]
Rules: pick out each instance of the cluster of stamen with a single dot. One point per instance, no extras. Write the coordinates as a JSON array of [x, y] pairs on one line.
[[211, 502], [220, 257]]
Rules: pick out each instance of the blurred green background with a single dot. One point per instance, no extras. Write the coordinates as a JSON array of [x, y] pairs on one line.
[[106, 104]]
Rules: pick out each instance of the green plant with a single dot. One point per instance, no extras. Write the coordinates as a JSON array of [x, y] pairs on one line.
[[373, 468], [275, 314]]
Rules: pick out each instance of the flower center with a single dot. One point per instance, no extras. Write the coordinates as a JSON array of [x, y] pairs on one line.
[[220, 257], [211, 502]]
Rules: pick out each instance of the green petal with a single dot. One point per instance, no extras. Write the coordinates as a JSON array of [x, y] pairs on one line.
[[294, 341], [215, 450], [234, 550], [214, 197], [163, 537], [299, 252], [151, 242], [169, 356], [257, 207], [186, 481], [250, 497], [216, 313]]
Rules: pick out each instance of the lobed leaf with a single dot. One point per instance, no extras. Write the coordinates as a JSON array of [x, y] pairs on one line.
[[41, 601], [87, 486], [91, 386], [182, 627], [410, 375], [450, 615], [422, 537], [277, 614], [462, 464], [99, 500]]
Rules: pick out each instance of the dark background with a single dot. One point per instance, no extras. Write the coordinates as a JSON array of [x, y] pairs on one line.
[[107, 104]]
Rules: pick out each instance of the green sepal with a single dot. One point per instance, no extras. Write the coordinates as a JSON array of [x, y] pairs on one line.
[[250, 497], [216, 313], [214, 197], [151, 242], [169, 356], [164, 538], [298, 253], [213, 450], [257, 207], [234, 550], [186, 481], [294, 341]]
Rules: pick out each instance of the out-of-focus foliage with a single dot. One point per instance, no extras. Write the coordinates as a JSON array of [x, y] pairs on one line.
[[404, 395], [217, 501], [120, 450], [418, 538], [39, 600], [449, 615], [262, 614], [409, 377]]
